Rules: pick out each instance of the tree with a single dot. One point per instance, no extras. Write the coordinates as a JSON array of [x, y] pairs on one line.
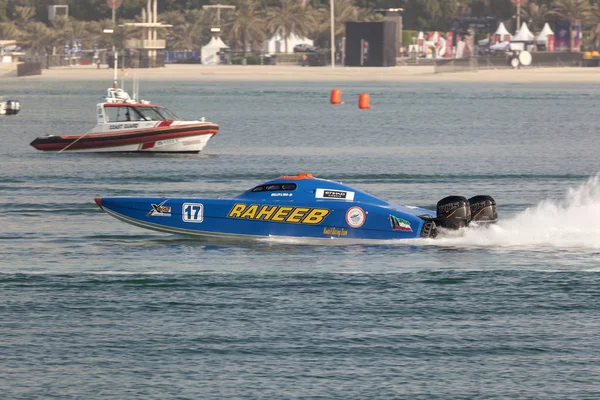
[[23, 15], [36, 36], [595, 20], [434, 14], [535, 15], [189, 29], [291, 18], [574, 11], [344, 11], [9, 31], [97, 35], [4, 11], [247, 23]]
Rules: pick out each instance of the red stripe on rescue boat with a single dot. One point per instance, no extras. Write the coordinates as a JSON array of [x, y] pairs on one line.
[[148, 145], [165, 123], [98, 201]]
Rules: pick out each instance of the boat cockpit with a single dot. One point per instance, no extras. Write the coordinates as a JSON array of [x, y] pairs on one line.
[[137, 112]]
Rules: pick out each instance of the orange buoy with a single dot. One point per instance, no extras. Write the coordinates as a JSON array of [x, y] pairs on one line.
[[364, 101], [336, 96]]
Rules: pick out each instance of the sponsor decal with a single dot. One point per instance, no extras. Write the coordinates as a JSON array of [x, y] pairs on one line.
[[355, 217], [165, 142], [399, 224], [335, 232], [449, 207], [294, 215], [334, 194], [159, 210], [191, 142], [123, 126], [192, 212], [281, 194]]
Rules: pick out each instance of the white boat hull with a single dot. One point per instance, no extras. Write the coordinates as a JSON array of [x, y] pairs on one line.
[[190, 144]]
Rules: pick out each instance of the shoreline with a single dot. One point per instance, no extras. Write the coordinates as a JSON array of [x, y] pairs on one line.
[[293, 73]]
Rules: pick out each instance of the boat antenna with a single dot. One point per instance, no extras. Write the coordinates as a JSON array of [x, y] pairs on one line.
[[123, 72], [136, 86]]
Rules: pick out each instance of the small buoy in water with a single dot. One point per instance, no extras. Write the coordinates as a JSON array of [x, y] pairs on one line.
[[336, 96], [364, 101]]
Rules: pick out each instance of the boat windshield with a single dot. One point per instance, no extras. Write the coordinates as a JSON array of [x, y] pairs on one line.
[[150, 114], [275, 187], [167, 114]]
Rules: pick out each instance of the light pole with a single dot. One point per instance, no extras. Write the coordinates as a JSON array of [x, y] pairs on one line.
[[332, 35], [218, 7], [518, 4], [115, 60]]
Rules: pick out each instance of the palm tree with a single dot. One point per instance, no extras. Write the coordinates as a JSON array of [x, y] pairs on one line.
[[189, 29], [61, 27], [36, 36], [3, 11], [344, 11], [535, 15], [97, 35], [247, 23], [8, 30], [574, 11], [23, 15], [291, 18], [595, 20]]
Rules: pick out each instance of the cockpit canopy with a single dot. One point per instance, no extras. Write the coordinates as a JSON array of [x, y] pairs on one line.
[[305, 187]]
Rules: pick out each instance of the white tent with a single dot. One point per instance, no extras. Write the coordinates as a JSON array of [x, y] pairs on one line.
[[276, 44], [542, 37], [209, 54], [501, 30], [523, 35]]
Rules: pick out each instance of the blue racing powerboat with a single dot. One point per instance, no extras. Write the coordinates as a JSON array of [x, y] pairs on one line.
[[299, 206]]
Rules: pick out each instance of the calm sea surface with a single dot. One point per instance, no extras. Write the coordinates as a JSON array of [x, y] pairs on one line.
[[92, 308]]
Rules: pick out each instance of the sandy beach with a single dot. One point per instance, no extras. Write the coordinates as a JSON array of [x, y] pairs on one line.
[[282, 73]]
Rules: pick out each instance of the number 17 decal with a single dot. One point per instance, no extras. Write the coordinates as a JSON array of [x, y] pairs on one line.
[[192, 212]]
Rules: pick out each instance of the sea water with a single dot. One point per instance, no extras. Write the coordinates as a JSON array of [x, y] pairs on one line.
[[92, 308]]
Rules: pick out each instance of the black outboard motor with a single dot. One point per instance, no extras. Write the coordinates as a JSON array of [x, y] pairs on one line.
[[483, 209], [12, 107], [453, 212]]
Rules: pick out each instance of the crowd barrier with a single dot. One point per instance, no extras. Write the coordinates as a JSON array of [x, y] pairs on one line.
[[539, 60]]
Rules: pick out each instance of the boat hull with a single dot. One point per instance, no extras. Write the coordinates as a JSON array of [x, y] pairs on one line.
[[172, 139], [237, 218]]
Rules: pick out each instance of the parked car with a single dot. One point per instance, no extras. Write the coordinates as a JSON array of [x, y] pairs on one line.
[[305, 48]]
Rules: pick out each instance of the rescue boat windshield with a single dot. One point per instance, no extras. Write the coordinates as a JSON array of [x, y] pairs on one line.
[[150, 114], [167, 114]]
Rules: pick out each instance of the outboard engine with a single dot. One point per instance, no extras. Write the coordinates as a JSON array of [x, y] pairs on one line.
[[483, 209], [453, 212], [12, 107]]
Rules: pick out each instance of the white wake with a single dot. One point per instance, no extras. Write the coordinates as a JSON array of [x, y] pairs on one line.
[[573, 222]]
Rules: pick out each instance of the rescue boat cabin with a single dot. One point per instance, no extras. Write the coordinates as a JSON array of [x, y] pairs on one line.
[[114, 112]]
